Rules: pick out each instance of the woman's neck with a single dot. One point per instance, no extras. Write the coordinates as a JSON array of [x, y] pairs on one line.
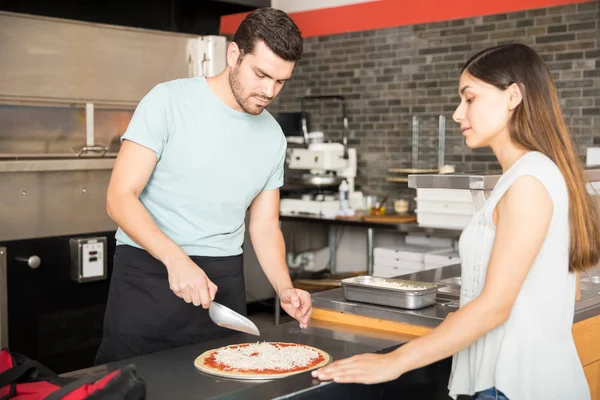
[[507, 152]]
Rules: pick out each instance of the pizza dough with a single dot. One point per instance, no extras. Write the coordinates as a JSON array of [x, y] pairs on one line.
[[261, 360]]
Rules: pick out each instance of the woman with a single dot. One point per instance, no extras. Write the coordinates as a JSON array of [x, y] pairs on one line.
[[521, 253]]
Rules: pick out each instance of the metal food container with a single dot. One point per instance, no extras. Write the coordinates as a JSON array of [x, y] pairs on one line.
[[390, 292]]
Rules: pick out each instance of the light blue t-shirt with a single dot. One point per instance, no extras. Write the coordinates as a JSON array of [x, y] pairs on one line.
[[212, 162]]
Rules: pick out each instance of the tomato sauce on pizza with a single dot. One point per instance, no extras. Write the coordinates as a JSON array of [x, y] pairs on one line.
[[264, 360]]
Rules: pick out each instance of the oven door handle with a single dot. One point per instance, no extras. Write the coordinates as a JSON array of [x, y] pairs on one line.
[[3, 300], [33, 262]]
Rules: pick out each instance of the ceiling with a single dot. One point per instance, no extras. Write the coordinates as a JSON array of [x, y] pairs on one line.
[[188, 16]]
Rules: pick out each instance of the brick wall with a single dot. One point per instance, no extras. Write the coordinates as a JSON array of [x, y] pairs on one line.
[[390, 75]]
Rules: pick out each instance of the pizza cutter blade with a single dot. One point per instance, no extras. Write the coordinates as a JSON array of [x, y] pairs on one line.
[[227, 318]]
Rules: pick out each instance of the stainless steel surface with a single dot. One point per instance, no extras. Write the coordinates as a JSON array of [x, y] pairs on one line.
[[370, 230], [470, 181], [50, 164], [171, 374], [277, 306], [370, 247], [32, 262], [313, 180], [332, 248], [390, 292], [453, 181], [45, 59], [47, 156], [3, 300], [432, 316], [448, 278], [411, 227], [415, 142], [441, 141], [227, 318], [47, 198], [93, 150]]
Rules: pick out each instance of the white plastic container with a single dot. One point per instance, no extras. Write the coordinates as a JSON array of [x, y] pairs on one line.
[[455, 221], [399, 263], [429, 241], [446, 206], [441, 258], [404, 252], [385, 271], [444, 194]]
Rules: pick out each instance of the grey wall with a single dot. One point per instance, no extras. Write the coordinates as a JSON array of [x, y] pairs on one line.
[[389, 75]]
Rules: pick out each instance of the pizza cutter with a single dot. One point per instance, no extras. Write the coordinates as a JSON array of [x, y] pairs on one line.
[[227, 318]]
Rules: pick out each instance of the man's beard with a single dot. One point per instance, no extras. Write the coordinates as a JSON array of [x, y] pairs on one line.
[[245, 104]]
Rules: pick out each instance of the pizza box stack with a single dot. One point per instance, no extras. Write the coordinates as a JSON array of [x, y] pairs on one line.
[[410, 258], [444, 208], [441, 258]]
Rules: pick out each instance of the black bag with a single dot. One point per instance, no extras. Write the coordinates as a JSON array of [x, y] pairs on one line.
[[24, 379]]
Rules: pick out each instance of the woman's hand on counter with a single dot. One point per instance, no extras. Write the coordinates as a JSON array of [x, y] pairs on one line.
[[363, 368], [298, 304]]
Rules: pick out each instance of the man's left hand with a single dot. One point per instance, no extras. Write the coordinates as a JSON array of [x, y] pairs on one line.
[[297, 303]]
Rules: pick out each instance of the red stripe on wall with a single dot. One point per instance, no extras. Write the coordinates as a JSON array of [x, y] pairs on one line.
[[388, 13]]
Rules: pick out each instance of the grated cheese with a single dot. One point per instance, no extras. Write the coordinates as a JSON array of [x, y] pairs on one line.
[[261, 356], [399, 285]]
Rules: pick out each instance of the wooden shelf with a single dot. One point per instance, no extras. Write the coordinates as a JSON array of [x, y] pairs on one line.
[[397, 179], [413, 170]]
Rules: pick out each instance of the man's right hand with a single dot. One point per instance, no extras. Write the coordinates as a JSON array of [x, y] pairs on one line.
[[188, 281]]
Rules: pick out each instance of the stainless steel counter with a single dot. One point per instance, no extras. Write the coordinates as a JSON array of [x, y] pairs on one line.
[[447, 302], [53, 165], [369, 227], [471, 181], [171, 374]]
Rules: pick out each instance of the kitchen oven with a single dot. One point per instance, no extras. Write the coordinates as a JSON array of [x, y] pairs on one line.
[[48, 315], [68, 90], [56, 249]]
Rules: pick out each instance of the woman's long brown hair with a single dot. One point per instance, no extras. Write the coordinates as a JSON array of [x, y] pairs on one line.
[[538, 125]]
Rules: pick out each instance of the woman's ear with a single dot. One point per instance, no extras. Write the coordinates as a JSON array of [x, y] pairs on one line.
[[515, 96]]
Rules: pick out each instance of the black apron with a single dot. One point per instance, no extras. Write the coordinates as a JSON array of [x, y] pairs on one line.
[[143, 315]]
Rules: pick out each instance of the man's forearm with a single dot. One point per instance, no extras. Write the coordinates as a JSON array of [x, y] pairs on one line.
[[133, 218], [269, 247]]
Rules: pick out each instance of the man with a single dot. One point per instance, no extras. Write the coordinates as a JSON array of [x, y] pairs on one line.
[[197, 154]]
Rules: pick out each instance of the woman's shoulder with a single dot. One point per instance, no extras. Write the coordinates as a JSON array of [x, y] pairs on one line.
[[540, 166]]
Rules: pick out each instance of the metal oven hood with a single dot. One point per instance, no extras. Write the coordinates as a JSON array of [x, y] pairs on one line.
[[48, 197]]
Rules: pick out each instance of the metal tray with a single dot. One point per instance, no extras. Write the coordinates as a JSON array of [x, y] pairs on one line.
[[377, 290]]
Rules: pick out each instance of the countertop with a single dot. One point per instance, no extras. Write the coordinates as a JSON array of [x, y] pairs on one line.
[[171, 374], [447, 300], [405, 227]]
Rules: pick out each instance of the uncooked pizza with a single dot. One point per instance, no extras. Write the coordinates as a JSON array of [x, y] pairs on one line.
[[261, 360]]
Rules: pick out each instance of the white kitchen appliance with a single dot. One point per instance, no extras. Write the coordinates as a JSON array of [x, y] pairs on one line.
[[321, 166]]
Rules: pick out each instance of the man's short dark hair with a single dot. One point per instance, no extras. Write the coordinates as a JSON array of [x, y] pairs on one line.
[[273, 27]]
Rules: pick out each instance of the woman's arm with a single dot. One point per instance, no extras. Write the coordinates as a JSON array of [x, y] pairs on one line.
[[523, 217]]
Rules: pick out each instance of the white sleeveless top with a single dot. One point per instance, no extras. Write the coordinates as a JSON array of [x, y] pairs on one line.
[[532, 356]]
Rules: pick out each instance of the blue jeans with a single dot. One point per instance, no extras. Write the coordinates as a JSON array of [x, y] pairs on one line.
[[490, 394]]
